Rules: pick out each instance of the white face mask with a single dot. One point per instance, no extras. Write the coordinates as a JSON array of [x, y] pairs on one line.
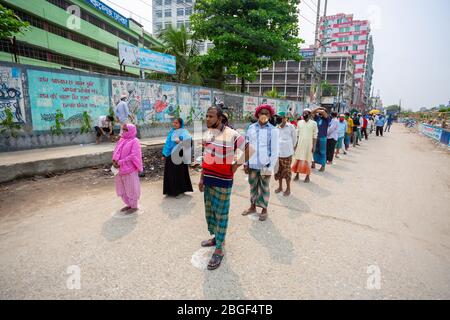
[[263, 118]]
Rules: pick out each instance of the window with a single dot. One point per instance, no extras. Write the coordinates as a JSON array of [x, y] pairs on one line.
[[201, 47], [357, 28], [158, 13], [168, 13], [188, 1], [187, 24], [167, 2], [356, 38], [167, 25], [188, 11], [158, 2], [180, 1], [179, 24], [355, 47], [180, 12], [158, 26]]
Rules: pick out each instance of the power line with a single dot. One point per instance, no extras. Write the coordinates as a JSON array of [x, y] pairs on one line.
[[307, 19], [313, 10], [129, 11]]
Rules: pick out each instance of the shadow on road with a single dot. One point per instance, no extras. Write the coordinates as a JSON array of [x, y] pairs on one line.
[[315, 188], [329, 175], [281, 249], [176, 208], [222, 284], [342, 168], [296, 206], [114, 228]]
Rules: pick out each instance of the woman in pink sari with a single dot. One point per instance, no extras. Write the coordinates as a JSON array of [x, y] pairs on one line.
[[127, 157]]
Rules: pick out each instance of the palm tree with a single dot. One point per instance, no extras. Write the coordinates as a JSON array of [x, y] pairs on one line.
[[272, 94], [181, 44]]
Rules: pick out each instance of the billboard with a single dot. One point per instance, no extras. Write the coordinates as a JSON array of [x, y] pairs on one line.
[[147, 59], [108, 11]]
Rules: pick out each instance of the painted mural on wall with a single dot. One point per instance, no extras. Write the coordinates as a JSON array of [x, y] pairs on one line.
[[72, 94], [148, 102], [250, 105], [218, 98], [11, 94], [271, 102], [235, 103], [185, 103], [201, 99]]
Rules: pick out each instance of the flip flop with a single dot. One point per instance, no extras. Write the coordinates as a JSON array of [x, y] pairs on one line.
[[248, 212], [209, 243], [215, 261]]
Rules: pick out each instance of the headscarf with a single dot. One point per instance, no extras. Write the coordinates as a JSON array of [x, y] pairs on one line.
[[267, 107], [128, 151], [181, 134]]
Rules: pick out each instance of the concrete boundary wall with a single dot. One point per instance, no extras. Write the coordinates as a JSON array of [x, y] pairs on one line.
[[34, 94]]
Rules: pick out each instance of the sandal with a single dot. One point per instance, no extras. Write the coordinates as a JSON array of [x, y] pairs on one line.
[[215, 261], [248, 212], [209, 243]]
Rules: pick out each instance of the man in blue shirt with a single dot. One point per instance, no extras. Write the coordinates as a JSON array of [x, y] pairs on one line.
[[380, 124], [263, 138], [390, 120], [122, 112]]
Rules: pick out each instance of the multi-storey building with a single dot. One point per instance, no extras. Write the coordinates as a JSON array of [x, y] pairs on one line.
[[352, 37], [293, 79], [175, 13], [57, 39]]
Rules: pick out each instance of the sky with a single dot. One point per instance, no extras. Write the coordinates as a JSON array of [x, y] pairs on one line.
[[412, 45]]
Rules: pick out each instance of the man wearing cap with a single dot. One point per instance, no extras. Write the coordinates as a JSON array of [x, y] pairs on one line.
[[263, 138], [287, 142], [122, 112], [342, 131], [307, 139]]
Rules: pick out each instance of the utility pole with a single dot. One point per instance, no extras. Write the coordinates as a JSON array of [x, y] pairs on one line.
[[316, 41]]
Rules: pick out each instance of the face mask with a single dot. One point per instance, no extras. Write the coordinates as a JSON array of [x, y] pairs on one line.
[[341, 120], [263, 119]]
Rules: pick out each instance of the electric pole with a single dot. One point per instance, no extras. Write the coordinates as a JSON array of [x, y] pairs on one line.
[[316, 41]]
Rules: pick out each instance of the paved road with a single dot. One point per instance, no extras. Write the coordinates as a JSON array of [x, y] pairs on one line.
[[383, 209]]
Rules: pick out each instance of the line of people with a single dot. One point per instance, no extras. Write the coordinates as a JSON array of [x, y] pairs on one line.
[[267, 149]]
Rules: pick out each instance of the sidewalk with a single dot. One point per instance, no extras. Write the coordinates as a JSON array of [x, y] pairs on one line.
[[28, 163]]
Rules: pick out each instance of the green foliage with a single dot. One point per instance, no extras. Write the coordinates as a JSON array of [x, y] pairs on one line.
[[59, 123], [177, 112], [8, 124], [394, 108], [183, 46], [247, 35], [328, 90], [190, 118], [10, 24], [87, 123], [272, 94]]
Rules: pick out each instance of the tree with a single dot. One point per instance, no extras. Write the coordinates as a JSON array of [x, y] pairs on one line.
[[272, 94], [248, 35], [393, 108], [181, 44], [10, 23], [328, 90]]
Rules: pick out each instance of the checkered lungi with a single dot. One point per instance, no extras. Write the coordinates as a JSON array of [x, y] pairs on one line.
[[217, 207], [259, 188], [284, 169]]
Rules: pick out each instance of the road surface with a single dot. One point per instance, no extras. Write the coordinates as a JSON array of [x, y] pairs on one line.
[[375, 225]]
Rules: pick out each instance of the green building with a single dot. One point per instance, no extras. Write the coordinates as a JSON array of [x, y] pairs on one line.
[[58, 40]]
